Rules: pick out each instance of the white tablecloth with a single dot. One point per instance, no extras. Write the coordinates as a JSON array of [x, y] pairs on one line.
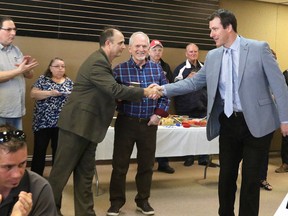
[[283, 208], [171, 141]]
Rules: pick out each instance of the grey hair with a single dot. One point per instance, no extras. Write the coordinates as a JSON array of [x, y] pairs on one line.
[[131, 39]]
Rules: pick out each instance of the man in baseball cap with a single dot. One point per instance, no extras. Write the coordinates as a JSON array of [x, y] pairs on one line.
[[155, 54], [155, 43]]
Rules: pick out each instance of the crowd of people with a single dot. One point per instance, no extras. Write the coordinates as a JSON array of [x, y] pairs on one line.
[[222, 89]]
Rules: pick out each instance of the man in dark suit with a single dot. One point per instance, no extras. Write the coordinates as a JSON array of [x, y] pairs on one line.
[[85, 118], [245, 128]]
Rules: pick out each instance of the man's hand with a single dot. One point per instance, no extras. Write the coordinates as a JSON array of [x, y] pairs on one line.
[[154, 120], [284, 129], [23, 206], [160, 89], [191, 74], [152, 91], [27, 65]]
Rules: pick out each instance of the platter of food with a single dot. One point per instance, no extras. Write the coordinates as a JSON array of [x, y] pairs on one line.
[[185, 121], [194, 123]]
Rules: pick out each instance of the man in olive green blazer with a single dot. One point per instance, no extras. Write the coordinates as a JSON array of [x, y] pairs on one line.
[[84, 121]]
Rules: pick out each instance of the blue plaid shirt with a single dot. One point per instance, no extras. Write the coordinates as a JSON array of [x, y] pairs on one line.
[[128, 72]]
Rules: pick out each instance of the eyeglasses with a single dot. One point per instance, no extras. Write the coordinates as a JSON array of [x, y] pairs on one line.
[[6, 136], [9, 29], [59, 66]]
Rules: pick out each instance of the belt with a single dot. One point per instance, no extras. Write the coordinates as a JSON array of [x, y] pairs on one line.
[[140, 120]]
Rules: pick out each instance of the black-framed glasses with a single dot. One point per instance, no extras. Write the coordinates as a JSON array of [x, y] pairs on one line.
[[9, 29], [6, 136]]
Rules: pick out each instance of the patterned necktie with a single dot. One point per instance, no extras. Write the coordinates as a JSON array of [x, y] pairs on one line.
[[227, 69]]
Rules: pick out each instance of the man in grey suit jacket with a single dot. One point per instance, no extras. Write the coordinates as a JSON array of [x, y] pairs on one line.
[[85, 118], [247, 132]]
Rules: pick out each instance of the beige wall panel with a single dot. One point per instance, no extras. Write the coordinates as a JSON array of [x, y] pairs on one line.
[[282, 37], [255, 20]]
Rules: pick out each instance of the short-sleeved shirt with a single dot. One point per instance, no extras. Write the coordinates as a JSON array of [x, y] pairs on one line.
[[46, 111], [12, 92], [42, 196]]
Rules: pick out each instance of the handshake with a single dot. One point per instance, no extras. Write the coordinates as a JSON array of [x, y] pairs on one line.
[[153, 91]]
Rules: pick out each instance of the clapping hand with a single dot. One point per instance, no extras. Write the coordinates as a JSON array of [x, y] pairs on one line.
[[27, 64], [24, 205]]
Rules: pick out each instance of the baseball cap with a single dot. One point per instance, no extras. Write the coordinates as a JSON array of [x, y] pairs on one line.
[[155, 43]]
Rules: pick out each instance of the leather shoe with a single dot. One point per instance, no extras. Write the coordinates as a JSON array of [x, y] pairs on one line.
[[189, 161], [211, 164], [166, 169], [282, 169], [145, 208], [113, 211]]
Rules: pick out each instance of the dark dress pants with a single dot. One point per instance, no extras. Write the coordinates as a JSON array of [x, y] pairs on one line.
[[41, 142], [74, 154], [264, 167], [236, 144], [129, 131], [284, 149], [162, 161]]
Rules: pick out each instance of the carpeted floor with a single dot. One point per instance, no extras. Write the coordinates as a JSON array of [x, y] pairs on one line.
[[184, 193]]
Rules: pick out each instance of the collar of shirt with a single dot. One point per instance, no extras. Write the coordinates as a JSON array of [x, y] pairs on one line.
[[235, 45], [133, 63], [5, 48], [187, 65]]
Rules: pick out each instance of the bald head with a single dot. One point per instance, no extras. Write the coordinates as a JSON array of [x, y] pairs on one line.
[[192, 52]]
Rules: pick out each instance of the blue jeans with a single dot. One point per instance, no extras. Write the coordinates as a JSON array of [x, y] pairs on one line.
[[15, 122]]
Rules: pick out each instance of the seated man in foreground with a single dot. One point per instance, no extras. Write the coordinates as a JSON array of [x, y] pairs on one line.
[[22, 192]]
